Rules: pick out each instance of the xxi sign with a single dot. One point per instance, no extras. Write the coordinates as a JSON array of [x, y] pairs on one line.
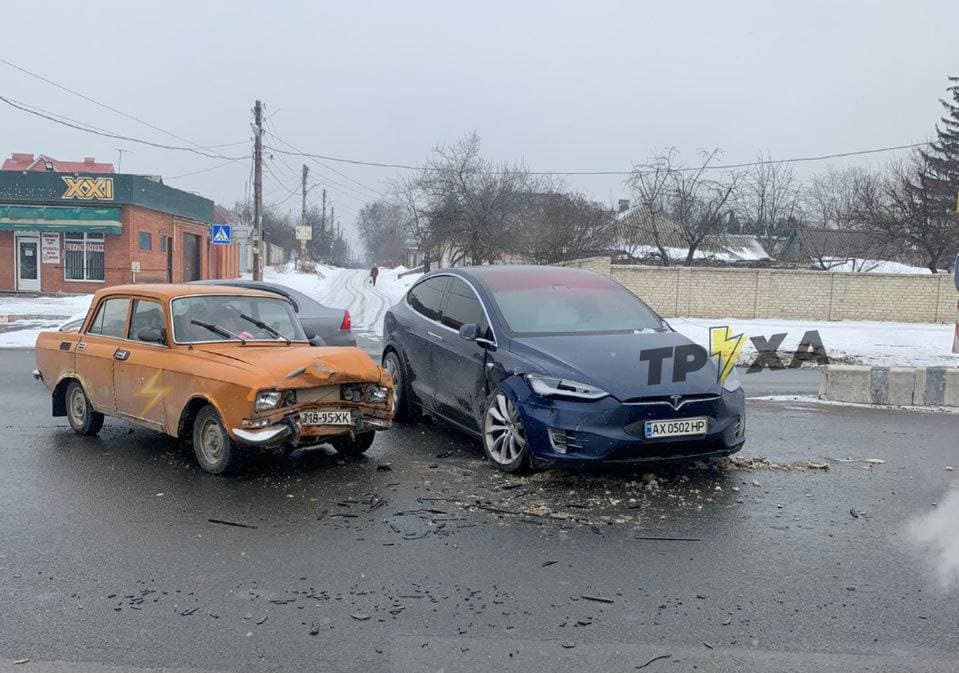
[[87, 189]]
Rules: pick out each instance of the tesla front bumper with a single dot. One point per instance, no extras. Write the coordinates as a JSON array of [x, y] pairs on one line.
[[564, 430]]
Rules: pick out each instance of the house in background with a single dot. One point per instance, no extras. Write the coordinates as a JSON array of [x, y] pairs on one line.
[[644, 241], [19, 161]]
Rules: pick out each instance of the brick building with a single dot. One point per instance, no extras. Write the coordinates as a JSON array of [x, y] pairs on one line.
[[88, 228]]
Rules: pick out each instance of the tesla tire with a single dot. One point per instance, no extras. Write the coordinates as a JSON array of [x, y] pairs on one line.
[[403, 410], [504, 437]]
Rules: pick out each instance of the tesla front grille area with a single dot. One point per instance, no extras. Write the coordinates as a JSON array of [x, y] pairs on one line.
[[610, 430]]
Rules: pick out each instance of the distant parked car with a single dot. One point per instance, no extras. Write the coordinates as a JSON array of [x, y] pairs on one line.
[[72, 325], [544, 364], [332, 326]]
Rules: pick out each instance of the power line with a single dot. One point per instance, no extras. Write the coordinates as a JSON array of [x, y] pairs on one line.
[[205, 170], [821, 157], [88, 128], [113, 109], [330, 168]]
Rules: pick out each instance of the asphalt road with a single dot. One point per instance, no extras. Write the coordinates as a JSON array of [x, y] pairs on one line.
[[422, 558]]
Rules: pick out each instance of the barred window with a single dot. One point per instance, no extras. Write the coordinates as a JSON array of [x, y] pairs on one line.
[[83, 256]]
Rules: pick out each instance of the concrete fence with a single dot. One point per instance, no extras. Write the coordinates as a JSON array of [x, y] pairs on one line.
[[704, 292], [896, 386]]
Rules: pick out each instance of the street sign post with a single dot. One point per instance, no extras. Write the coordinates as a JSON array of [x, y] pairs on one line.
[[304, 233]]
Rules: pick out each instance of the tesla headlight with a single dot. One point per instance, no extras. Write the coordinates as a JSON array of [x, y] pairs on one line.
[[732, 383], [546, 386], [267, 399]]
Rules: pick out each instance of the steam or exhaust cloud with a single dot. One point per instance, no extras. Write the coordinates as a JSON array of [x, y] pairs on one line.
[[936, 534]]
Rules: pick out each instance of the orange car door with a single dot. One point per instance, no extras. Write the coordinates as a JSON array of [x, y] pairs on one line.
[[138, 365], [96, 350]]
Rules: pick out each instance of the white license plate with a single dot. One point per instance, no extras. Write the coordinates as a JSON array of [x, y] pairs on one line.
[[678, 427], [326, 418]]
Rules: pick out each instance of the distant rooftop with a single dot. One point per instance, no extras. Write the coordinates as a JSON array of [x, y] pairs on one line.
[[41, 163]]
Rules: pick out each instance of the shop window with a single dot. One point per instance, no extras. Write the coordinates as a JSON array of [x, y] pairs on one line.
[[146, 241], [83, 256]]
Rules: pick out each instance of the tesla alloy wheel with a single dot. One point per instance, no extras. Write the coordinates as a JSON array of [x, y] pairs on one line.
[[504, 438]]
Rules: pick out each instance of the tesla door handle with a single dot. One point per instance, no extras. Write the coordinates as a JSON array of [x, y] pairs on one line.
[[435, 336], [121, 355]]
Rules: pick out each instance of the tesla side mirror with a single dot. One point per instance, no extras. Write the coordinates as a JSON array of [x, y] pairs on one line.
[[152, 335], [469, 331]]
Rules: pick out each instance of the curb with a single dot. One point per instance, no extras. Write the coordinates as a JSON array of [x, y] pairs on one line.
[[890, 386]]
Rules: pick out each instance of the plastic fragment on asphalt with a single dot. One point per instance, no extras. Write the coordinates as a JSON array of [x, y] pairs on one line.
[[18, 662], [875, 461], [231, 523], [654, 659], [597, 599]]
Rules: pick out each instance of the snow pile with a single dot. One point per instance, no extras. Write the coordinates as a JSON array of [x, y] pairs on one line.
[[873, 266], [883, 344], [352, 290], [23, 318]]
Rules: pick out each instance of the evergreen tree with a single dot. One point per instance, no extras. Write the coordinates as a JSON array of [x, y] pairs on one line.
[[942, 157]]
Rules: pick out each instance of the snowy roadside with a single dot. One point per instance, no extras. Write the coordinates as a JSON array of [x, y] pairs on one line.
[[23, 318], [870, 343]]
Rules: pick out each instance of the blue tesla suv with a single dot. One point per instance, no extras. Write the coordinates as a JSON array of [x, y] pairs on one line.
[[556, 364]]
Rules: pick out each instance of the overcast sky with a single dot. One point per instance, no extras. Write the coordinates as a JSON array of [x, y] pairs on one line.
[[591, 85]]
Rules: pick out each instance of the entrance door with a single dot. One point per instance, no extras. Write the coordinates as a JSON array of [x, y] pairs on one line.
[[28, 263], [191, 257]]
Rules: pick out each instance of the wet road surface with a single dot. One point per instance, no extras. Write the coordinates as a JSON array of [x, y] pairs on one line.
[[118, 553]]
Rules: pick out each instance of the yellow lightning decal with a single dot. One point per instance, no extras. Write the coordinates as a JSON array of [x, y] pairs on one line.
[[154, 391], [725, 349]]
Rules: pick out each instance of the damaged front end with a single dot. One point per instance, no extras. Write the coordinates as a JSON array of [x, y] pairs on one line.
[[316, 414]]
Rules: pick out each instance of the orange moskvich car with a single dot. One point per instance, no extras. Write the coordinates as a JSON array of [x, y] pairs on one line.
[[226, 367]]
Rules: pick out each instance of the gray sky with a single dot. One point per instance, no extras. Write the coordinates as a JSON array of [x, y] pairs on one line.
[[591, 85]]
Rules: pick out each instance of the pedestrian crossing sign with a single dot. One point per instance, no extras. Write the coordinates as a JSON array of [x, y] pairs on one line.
[[221, 234]]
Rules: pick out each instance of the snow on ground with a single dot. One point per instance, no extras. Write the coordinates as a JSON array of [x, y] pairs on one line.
[[870, 343], [23, 318], [351, 289], [873, 266]]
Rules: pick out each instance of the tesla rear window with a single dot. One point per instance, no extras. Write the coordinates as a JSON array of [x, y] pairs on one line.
[[570, 303]]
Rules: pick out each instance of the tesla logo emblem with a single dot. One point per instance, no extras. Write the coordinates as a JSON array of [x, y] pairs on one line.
[[675, 400], [87, 189]]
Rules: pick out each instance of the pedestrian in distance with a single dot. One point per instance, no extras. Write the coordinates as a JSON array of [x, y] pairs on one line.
[[374, 272]]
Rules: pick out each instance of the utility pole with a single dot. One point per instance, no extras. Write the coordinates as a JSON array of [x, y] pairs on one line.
[[323, 222], [306, 172], [332, 232], [257, 190]]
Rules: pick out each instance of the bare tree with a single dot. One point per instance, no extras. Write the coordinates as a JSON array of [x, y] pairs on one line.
[[682, 205], [769, 202], [413, 201], [382, 230], [907, 210], [473, 201], [559, 225]]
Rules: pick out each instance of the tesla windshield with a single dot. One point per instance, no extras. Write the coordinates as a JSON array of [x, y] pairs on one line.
[[567, 303]]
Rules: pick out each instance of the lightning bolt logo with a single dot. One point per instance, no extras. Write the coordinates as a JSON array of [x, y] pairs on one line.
[[725, 349], [153, 391]]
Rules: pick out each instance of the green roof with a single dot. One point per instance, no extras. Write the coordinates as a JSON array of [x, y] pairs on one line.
[[99, 190]]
